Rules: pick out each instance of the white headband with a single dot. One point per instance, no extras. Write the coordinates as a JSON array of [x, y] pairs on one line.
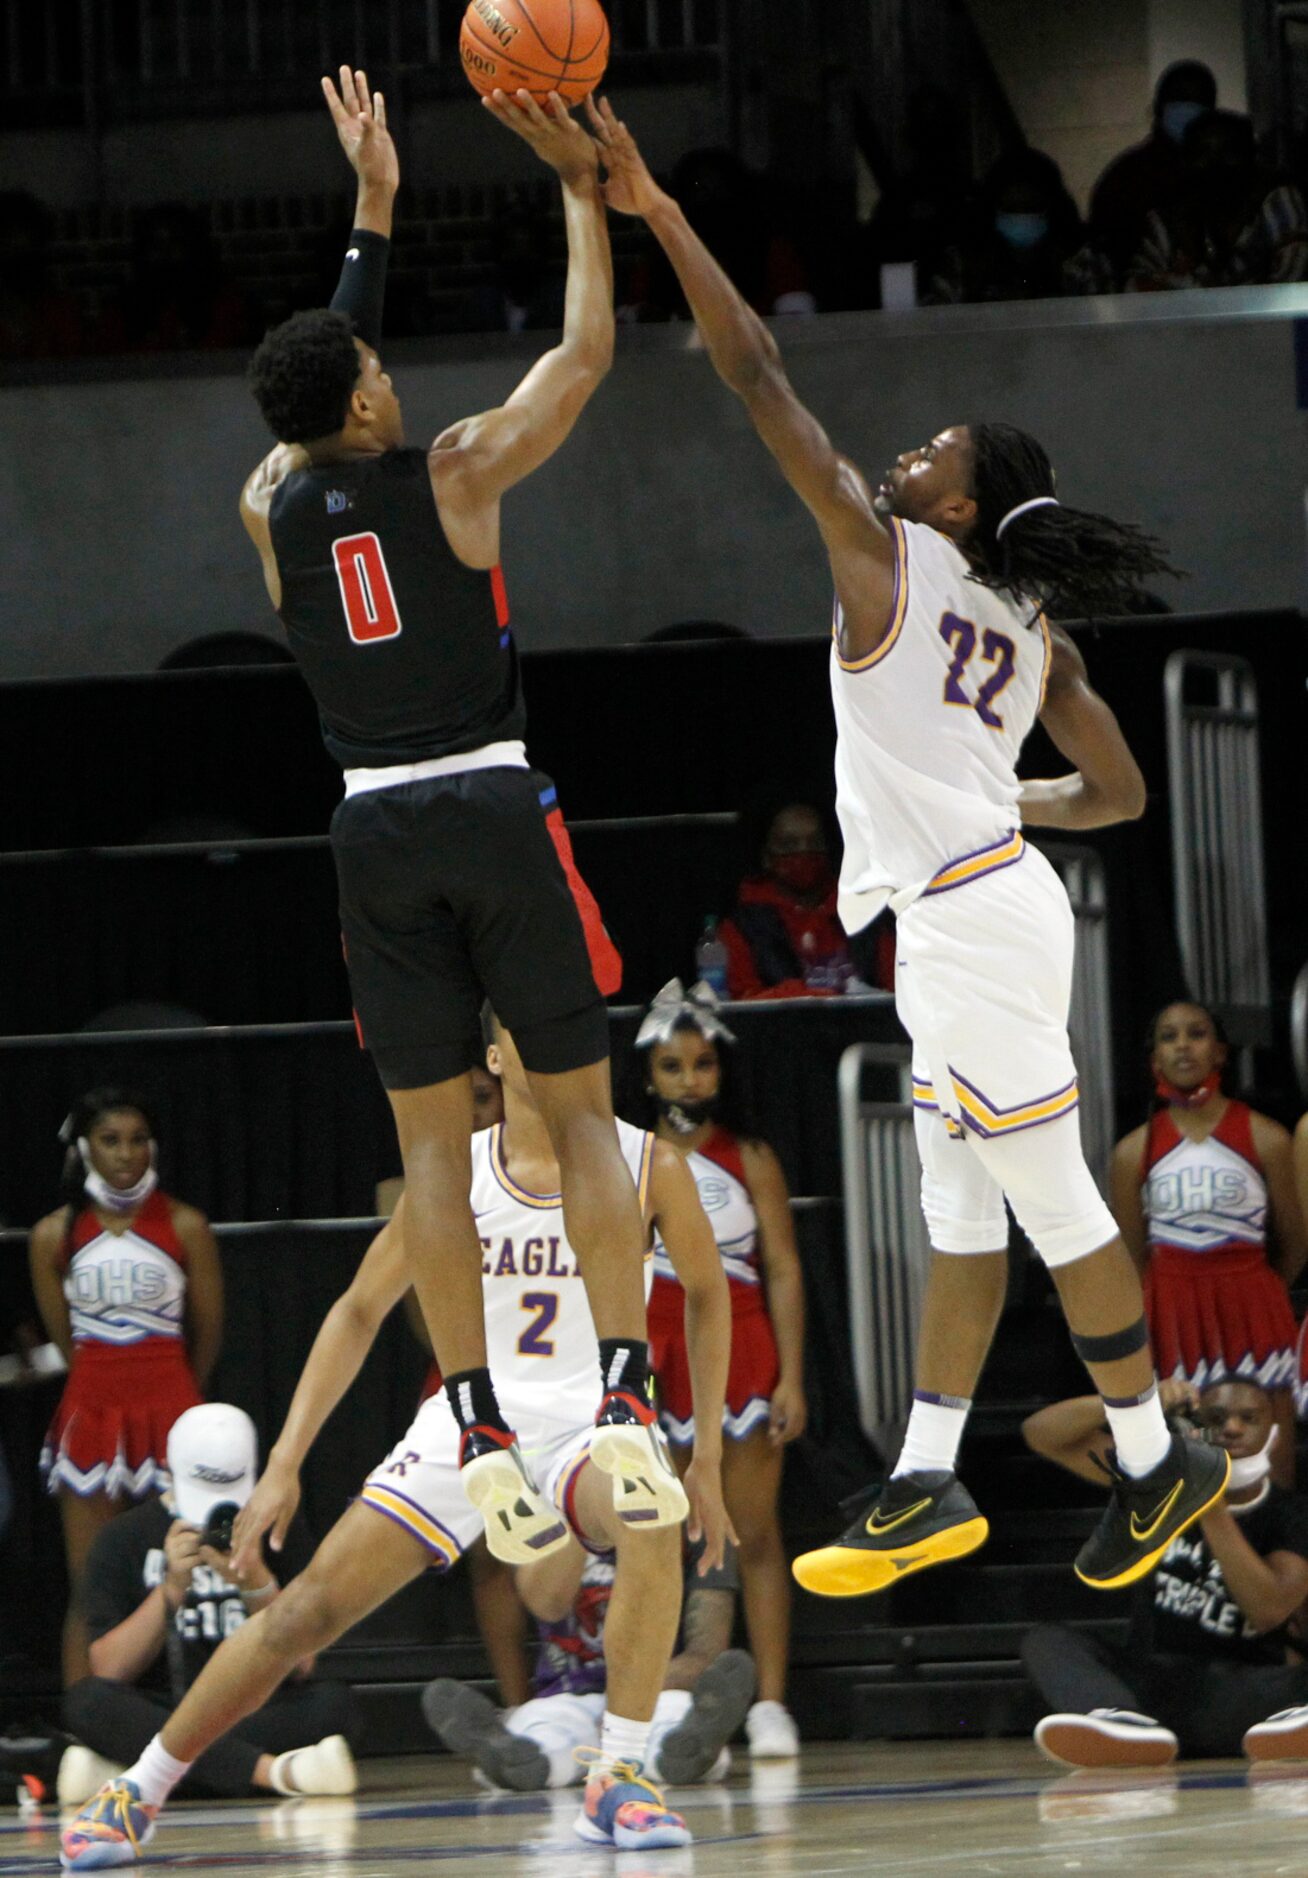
[[1036, 502]]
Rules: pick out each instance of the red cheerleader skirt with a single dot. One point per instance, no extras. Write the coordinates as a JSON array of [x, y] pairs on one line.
[[110, 1431], [1215, 1316], [755, 1365]]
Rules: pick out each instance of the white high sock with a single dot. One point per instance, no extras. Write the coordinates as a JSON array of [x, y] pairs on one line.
[[157, 1773], [935, 1428], [1140, 1434], [622, 1740]]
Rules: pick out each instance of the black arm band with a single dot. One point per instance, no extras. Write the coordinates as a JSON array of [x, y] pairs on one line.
[[1113, 1348], [361, 290]]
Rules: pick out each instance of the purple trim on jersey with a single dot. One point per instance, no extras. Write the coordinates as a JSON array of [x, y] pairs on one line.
[[1037, 1121], [900, 540], [928, 892], [384, 1486]]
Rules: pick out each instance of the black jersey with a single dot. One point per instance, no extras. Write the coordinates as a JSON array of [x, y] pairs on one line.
[[408, 652]]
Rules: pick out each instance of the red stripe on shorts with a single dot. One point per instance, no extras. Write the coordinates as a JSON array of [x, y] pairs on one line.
[[605, 959]]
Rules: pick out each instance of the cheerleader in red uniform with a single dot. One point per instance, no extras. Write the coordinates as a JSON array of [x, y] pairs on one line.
[[129, 1284], [1196, 1192], [743, 1192]]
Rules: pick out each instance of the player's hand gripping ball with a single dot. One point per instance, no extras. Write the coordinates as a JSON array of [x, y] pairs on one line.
[[535, 45]]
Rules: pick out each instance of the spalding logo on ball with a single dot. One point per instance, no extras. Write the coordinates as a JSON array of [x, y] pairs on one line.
[[535, 45]]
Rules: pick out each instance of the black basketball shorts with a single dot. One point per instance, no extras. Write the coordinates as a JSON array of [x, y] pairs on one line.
[[452, 892]]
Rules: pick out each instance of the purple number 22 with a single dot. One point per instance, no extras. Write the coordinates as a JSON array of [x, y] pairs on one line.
[[996, 649]]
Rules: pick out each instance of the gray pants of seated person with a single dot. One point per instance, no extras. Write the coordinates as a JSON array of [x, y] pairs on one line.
[[118, 1721], [1207, 1705]]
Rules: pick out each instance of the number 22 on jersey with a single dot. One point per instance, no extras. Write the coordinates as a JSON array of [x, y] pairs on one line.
[[366, 593], [997, 650]]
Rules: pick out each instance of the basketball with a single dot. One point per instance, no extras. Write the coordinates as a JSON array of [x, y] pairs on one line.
[[535, 45]]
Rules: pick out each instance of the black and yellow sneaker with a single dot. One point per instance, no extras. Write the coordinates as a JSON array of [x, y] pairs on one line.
[[1144, 1516], [918, 1520]]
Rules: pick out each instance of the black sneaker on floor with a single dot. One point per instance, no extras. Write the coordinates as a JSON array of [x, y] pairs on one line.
[[467, 1722], [919, 1520], [1144, 1516], [718, 1705]]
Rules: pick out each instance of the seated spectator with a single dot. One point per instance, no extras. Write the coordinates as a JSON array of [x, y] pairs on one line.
[[1196, 1192], [128, 1282], [37, 321], [178, 298], [705, 1696], [1026, 232], [1227, 222], [784, 938], [161, 1595], [1206, 1669], [924, 212], [1143, 177], [685, 1049]]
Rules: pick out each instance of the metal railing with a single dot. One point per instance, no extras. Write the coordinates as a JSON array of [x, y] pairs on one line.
[[1090, 1020], [886, 1247], [1299, 1030], [1217, 836], [68, 48]]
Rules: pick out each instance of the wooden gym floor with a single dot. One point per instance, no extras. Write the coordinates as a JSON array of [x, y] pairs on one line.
[[973, 1809]]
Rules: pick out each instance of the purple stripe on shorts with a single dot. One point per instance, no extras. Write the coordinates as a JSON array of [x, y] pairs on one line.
[[441, 1562]]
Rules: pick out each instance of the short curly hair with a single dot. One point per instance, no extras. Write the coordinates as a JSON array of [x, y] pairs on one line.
[[303, 373]]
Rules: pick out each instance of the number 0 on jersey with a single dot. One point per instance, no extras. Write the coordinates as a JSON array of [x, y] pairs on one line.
[[366, 593]]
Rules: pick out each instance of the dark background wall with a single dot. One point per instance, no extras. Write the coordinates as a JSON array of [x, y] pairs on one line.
[[1178, 411]]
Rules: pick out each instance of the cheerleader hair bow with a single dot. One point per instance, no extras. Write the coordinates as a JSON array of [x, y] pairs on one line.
[[675, 1008]]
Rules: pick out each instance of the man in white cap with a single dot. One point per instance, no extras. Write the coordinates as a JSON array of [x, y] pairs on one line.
[[161, 1595]]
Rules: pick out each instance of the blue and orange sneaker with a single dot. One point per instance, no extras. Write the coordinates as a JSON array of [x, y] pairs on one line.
[[110, 1829], [631, 1448], [623, 1809]]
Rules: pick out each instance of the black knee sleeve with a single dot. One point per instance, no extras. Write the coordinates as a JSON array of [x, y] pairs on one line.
[[1111, 1349]]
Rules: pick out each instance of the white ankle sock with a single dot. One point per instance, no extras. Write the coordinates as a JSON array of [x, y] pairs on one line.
[[156, 1773], [1140, 1434], [623, 1740], [935, 1428]]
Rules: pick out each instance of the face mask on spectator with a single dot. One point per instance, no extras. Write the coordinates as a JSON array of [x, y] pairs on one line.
[[686, 1117], [1188, 1098], [1021, 229], [1252, 1469], [116, 1199], [802, 873], [1177, 117]]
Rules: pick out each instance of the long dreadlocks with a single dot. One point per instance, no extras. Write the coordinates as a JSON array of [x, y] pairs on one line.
[[1076, 564]]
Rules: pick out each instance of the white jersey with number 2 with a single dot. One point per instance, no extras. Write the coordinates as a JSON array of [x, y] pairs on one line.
[[929, 727]]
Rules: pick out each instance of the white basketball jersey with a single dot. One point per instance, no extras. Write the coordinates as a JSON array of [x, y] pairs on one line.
[[929, 726], [540, 1336]]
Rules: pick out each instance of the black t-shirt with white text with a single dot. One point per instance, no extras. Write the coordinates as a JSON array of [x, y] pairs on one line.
[[127, 1562], [1185, 1609]]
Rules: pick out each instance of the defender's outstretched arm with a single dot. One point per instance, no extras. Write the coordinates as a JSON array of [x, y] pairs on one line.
[[748, 359]]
